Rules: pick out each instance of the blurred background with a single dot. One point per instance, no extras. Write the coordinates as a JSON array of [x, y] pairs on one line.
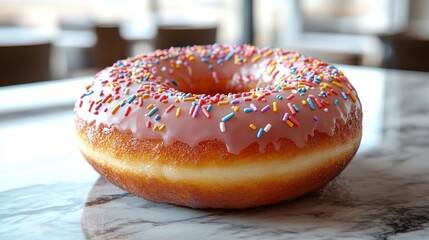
[[55, 39]]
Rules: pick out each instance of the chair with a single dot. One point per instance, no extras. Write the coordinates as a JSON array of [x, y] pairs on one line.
[[110, 46], [181, 36], [405, 52], [24, 63]]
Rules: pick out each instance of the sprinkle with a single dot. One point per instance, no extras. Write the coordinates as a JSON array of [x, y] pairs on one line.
[[248, 110], [215, 77], [336, 102], [254, 108], [267, 128], [131, 99], [107, 98], [178, 111], [285, 117], [148, 124], [229, 56], [209, 107], [155, 127], [235, 108], [222, 127], [291, 108], [316, 118], [150, 106], [189, 99], [228, 117], [351, 96], [256, 58], [196, 111], [289, 123], [206, 112], [162, 127], [157, 117], [311, 104], [290, 97], [191, 110], [152, 111], [264, 109], [220, 103], [127, 111], [344, 95], [116, 109], [171, 107], [252, 126], [260, 132], [337, 84], [140, 102], [292, 119], [275, 107]]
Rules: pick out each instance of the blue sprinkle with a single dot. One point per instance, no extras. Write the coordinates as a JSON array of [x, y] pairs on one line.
[[205, 60], [248, 110], [220, 61], [131, 99], [211, 66], [228, 117], [157, 117], [260, 132], [336, 102], [157, 61], [122, 104], [194, 104], [152, 111], [89, 93], [310, 103], [174, 82], [229, 56], [344, 95], [279, 97], [209, 107], [296, 107]]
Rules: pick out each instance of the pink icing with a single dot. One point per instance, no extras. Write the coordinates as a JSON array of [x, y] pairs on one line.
[[142, 94]]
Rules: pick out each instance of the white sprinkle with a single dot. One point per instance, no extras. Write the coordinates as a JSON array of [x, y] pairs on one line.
[[222, 127], [267, 128], [163, 68], [326, 109]]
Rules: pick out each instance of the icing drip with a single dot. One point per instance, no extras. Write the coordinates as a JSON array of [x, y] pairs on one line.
[[235, 94]]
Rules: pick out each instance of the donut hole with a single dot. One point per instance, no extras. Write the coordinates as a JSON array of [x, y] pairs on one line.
[[228, 83]]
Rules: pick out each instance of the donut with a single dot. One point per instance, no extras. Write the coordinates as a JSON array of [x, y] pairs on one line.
[[219, 126]]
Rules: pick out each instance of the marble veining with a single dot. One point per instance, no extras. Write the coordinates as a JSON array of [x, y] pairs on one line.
[[382, 194]]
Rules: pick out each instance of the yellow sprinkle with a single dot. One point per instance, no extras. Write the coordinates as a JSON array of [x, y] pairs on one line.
[[352, 96], [255, 59], [304, 102], [235, 108], [155, 128], [268, 53], [252, 126], [191, 58], [271, 69], [146, 86], [178, 111], [327, 85], [222, 103], [322, 89], [337, 84], [189, 99], [275, 107], [285, 88], [177, 100], [160, 90], [116, 109], [177, 66], [150, 106], [162, 127], [146, 95], [289, 123]]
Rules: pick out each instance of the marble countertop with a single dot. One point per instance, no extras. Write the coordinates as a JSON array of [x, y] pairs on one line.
[[48, 191]]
